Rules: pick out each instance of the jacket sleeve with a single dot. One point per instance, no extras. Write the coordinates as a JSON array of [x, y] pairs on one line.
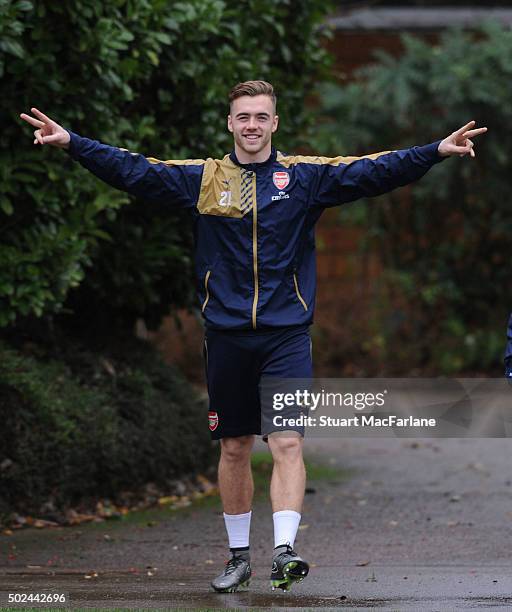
[[345, 179], [177, 182], [508, 348]]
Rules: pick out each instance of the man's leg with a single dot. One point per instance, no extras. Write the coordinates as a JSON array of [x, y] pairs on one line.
[[287, 495], [236, 490], [235, 475], [288, 357], [287, 485], [289, 474], [234, 415]]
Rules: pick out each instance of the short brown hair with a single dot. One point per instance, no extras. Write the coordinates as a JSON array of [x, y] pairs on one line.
[[253, 88]]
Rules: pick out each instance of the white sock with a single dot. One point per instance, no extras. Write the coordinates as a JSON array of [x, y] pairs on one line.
[[238, 527], [286, 525]]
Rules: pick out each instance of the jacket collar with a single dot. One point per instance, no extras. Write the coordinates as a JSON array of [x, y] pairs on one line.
[[256, 165]]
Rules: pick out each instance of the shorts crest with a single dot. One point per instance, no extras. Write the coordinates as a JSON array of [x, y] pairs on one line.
[[213, 420]]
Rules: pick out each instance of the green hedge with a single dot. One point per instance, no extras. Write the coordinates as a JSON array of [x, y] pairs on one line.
[[147, 75], [78, 424], [445, 294]]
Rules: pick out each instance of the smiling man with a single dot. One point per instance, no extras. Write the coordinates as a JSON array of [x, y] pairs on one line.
[[252, 120], [255, 212]]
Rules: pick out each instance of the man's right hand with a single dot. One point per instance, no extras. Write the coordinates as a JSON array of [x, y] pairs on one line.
[[47, 132]]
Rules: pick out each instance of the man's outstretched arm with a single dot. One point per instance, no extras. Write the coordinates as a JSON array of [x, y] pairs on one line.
[[177, 182], [346, 179]]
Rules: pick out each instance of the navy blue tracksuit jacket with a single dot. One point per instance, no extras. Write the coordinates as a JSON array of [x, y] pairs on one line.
[[254, 223]]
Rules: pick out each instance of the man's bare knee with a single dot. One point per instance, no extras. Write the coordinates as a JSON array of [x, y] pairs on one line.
[[236, 449], [285, 447]]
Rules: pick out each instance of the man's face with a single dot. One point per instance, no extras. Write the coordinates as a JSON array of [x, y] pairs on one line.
[[252, 122]]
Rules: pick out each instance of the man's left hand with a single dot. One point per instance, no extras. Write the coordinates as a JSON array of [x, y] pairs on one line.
[[460, 143]]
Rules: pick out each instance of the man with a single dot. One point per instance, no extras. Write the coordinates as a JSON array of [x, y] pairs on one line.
[[255, 212]]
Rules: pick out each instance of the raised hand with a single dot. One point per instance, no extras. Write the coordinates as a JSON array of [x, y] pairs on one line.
[[47, 132], [460, 143]]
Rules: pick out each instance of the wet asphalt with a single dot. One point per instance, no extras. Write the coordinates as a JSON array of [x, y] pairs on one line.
[[416, 525]]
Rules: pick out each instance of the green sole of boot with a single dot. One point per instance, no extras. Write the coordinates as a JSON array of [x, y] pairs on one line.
[[285, 583]]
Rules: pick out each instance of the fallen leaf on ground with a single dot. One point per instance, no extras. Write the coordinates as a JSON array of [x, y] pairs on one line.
[[412, 445], [40, 523], [208, 487], [76, 518], [169, 499]]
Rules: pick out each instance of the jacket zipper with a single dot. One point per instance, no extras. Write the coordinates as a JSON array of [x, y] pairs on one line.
[[255, 259], [206, 278], [298, 292]]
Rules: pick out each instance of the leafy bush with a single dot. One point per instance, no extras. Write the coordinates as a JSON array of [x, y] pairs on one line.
[[147, 75], [444, 243], [81, 424]]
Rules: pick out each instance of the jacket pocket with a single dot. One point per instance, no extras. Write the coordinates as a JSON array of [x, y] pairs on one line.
[[301, 299], [207, 293]]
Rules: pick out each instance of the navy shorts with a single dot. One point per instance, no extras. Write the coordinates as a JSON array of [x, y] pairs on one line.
[[235, 363]]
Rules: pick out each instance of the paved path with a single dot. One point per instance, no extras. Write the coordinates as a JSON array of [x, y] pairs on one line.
[[420, 525]]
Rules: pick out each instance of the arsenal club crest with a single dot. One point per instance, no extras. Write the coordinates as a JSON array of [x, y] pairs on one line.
[[281, 179], [213, 421]]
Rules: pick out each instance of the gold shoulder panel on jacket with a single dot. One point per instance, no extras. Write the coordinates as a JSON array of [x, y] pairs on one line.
[[177, 162], [293, 160], [221, 189]]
